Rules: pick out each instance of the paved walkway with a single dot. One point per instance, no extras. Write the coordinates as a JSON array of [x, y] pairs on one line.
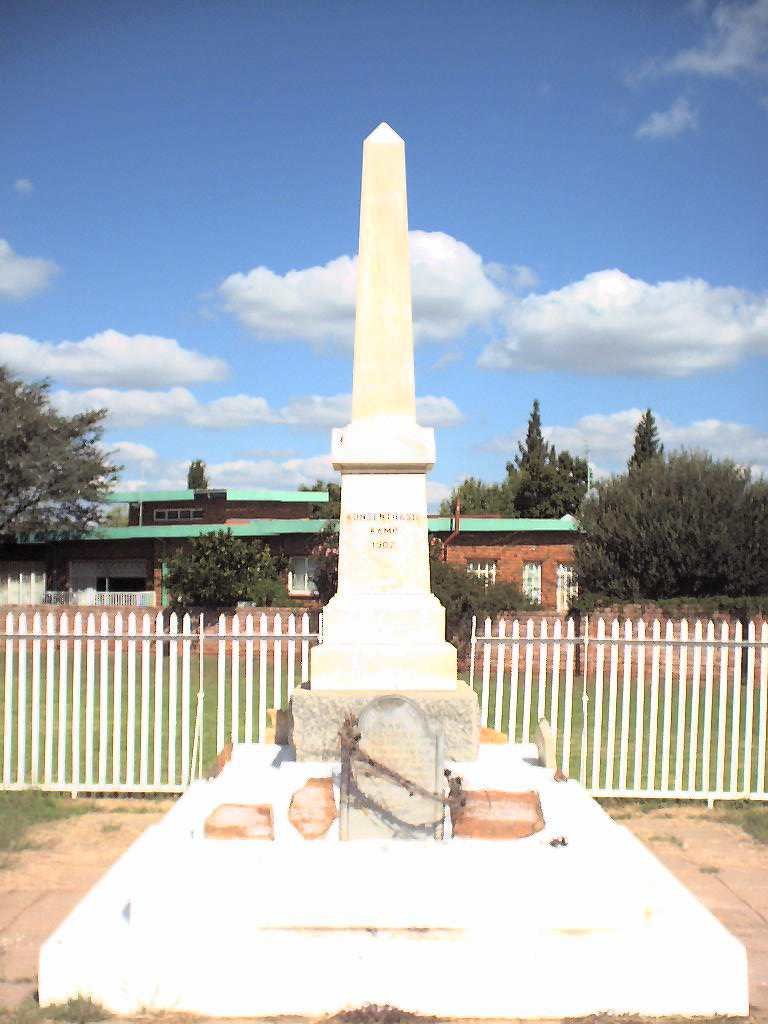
[[726, 869]]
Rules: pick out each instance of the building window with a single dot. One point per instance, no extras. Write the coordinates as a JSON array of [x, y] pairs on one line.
[[300, 582], [567, 587], [484, 570], [177, 515], [532, 581]]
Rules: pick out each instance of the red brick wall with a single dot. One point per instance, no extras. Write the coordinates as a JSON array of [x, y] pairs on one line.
[[511, 552]]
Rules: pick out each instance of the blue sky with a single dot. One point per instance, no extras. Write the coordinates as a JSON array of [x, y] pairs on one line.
[[179, 190]]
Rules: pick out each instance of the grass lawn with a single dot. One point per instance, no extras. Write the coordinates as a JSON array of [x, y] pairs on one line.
[[20, 811]]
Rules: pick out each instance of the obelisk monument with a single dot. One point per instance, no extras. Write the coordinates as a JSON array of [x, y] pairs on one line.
[[383, 630]]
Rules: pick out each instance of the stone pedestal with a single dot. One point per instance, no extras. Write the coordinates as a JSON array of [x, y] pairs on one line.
[[318, 717]]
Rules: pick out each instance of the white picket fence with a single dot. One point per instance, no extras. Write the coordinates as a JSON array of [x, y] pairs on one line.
[[636, 713], [143, 703], [138, 703]]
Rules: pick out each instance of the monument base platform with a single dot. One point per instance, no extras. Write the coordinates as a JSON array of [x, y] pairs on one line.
[[459, 928], [319, 714]]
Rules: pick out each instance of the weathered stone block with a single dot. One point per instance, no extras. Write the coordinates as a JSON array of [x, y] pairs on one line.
[[494, 814], [240, 821], [313, 808], [319, 715]]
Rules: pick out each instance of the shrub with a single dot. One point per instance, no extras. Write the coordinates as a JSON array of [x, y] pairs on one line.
[[218, 569]]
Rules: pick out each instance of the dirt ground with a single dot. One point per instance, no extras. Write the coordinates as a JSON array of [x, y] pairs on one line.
[[720, 863]]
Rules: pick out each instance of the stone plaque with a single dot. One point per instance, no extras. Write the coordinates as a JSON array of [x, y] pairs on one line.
[[399, 795]]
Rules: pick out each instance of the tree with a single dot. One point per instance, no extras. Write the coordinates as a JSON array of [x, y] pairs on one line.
[[687, 527], [197, 479], [478, 497], [218, 569], [326, 510], [325, 557], [647, 445], [547, 485], [54, 473]]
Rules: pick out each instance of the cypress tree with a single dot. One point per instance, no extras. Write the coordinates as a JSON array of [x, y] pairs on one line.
[[647, 445]]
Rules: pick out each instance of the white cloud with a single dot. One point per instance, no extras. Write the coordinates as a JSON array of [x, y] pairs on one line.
[[516, 277], [736, 42], [22, 276], [437, 492], [171, 474], [452, 290], [610, 323], [131, 452], [667, 124], [110, 358], [609, 438], [136, 407], [23, 186]]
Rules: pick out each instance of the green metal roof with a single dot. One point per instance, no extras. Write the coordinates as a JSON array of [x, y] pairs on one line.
[[256, 528], [472, 524], [134, 497]]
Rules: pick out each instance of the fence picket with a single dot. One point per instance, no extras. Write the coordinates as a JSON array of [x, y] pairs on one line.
[[130, 771], [146, 630], [706, 738], [721, 711], [666, 727], [763, 710], [597, 734], [612, 696], [498, 704], [249, 679], [554, 707], [637, 774], [8, 700], [626, 691], [305, 648], [77, 682], [682, 683], [61, 741], [103, 698], [234, 732], [90, 684], [157, 740], [693, 743], [486, 675], [35, 710], [277, 663], [514, 677], [117, 701], [262, 677], [291, 667], [173, 695], [653, 714], [21, 703], [541, 693], [186, 696], [220, 683], [50, 681], [570, 644], [528, 681], [749, 698], [733, 775]]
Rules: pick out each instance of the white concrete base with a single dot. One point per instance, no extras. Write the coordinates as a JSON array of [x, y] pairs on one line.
[[462, 928]]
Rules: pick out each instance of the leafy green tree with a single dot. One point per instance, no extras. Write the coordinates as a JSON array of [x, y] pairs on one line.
[[547, 485], [197, 478], [54, 474], [647, 445], [464, 595], [686, 527], [325, 556], [327, 510], [218, 569], [480, 498]]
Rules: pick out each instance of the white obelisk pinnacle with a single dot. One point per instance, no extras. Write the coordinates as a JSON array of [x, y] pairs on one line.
[[384, 630]]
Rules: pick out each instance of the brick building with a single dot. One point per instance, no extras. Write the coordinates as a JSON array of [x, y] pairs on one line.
[[125, 565]]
